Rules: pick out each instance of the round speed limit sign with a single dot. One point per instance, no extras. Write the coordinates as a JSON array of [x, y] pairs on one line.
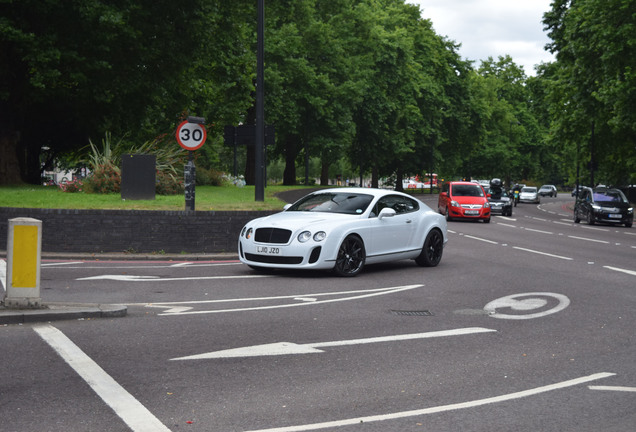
[[191, 136]]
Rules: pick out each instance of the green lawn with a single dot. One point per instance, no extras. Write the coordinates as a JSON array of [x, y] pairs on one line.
[[206, 198]]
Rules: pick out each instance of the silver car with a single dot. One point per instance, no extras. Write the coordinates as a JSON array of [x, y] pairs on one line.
[[529, 194]]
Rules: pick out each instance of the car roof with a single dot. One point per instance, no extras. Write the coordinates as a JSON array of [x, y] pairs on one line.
[[464, 183], [360, 190]]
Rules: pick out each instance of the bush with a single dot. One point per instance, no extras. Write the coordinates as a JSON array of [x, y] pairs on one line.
[[72, 186], [104, 179], [211, 177], [168, 184]]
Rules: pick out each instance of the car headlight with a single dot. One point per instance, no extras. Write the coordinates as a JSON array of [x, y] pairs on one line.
[[248, 233], [630, 210], [320, 236], [486, 205], [454, 203], [304, 236], [596, 207]]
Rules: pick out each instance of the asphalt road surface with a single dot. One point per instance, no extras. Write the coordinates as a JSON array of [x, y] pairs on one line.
[[527, 324]]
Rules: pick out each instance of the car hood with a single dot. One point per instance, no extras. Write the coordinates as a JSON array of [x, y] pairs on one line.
[[297, 220], [611, 204]]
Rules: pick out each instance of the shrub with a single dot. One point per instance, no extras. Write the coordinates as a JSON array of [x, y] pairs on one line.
[[104, 179], [211, 177], [72, 186], [168, 184]]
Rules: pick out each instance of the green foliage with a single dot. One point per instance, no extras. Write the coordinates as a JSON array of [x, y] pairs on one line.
[[168, 184], [361, 85], [104, 179]]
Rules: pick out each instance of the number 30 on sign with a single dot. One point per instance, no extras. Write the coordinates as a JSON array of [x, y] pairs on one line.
[[191, 136]]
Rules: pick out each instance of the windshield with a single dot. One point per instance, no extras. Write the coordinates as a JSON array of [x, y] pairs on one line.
[[529, 189], [497, 193], [609, 196], [467, 190], [346, 203]]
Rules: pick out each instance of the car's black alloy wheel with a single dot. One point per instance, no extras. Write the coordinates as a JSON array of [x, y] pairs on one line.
[[432, 251], [351, 257]]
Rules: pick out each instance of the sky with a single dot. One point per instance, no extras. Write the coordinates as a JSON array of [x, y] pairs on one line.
[[492, 28]]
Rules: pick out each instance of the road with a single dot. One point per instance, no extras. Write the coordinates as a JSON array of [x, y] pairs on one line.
[[527, 324]]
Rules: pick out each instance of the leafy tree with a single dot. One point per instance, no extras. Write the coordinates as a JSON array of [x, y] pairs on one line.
[[593, 90]]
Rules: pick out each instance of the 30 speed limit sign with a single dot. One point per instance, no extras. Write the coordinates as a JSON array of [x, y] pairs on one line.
[[191, 136]]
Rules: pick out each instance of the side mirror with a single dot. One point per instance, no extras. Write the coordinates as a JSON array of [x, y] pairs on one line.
[[287, 206], [386, 212]]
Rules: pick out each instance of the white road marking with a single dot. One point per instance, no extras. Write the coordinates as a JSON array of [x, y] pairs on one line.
[[524, 302], [133, 278], [367, 294], [562, 223], [629, 272], [480, 239], [507, 225], [542, 253], [588, 239], [613, 388], [442, 408], [286, 348], [60, 263], [129, 409], [593, 228], [539, 231]]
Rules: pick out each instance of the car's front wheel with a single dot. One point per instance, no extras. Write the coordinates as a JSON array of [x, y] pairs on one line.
[[432, 250], [351, 257]]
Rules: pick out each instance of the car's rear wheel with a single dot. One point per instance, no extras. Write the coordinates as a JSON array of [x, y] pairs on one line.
[[351, 257], [432, 250]]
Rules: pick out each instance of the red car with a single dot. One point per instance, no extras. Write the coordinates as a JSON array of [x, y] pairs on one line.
[[465, 200]]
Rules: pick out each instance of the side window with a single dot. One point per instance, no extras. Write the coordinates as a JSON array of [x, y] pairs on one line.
[[398, 203]]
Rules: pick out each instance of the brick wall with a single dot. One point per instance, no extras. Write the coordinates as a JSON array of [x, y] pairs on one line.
[[95, 231]]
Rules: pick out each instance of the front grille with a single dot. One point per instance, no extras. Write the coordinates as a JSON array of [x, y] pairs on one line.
[[273, 259], [471, 206], [272, 235]]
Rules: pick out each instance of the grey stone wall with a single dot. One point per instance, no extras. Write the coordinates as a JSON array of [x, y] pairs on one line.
[[95, 231]]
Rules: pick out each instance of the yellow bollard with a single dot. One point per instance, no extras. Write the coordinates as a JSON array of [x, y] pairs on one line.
[[24, 242]]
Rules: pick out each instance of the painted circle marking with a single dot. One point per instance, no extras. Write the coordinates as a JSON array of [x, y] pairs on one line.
[[527, 302]]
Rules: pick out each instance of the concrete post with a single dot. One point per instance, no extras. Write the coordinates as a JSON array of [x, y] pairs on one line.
[[24, 250]]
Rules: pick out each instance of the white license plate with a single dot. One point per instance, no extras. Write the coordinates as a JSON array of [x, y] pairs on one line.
[[471, 212], [614, 215], [268, 250]]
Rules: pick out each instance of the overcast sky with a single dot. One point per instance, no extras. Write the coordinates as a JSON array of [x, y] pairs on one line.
[[492, 28]]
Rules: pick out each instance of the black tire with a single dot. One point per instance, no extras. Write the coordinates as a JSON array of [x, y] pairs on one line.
[[447, 214], [432, 250], [577, 219], [487, 220], [351, 257], [628, 224], [590, 219]]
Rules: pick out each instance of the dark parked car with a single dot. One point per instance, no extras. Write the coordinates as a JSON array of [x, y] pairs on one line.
[[603, 205]]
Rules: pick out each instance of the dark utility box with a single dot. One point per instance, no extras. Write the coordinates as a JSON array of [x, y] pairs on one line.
[[138, 176]]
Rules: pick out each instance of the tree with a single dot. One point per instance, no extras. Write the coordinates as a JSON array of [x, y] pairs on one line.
[[75, 70], [593, 89]]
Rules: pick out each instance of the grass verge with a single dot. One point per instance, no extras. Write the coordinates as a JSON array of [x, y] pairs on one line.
[[217, 198]]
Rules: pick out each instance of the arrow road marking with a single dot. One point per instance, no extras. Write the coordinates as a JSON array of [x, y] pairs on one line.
[[285, 348], [362, 294]]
